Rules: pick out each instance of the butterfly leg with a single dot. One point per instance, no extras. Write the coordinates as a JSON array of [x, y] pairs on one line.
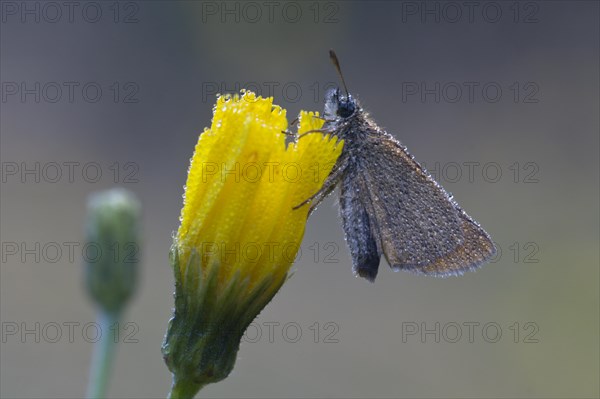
[[328, 186], [323, 118], [313, 131]]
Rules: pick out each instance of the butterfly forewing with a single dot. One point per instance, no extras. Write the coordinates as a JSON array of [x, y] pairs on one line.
[[418, 225]]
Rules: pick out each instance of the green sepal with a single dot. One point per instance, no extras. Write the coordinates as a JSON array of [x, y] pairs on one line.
[[204, 334]]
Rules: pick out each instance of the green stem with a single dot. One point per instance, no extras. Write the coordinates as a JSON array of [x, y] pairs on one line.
[[184, 389], [103, 355]]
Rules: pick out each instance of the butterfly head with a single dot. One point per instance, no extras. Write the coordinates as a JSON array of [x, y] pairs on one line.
[[338, 105]]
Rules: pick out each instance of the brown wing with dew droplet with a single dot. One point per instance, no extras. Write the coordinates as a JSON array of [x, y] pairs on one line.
[[421, 229]]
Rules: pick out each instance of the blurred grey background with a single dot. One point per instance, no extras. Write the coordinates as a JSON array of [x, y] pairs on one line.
[[508, 91]]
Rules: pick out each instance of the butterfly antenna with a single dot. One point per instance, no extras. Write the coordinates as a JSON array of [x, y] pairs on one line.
[[336, 64]]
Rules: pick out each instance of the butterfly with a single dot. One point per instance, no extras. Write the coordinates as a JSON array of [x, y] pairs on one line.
[[389, 205]]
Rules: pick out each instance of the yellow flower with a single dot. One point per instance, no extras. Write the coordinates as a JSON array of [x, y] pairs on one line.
[[239, 231], [243, 184]]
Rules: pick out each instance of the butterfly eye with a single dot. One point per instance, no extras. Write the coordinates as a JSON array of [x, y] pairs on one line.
[[345, 109]]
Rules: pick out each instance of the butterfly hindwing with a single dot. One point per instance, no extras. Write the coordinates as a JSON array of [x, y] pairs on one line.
[[361, 233]]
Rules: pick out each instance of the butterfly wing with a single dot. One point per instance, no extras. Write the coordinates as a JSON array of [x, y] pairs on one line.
[[359, 228], [418, 226]]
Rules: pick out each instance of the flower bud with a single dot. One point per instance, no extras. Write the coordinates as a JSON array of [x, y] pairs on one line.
[[112, 248], [239, 231]]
